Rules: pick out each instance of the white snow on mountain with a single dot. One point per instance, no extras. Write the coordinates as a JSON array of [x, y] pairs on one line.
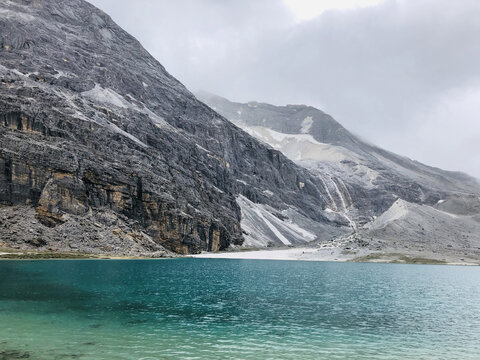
[[306, 125], [300, 147]]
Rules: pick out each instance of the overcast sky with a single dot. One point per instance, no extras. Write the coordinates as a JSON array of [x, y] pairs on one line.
[[403, 74]]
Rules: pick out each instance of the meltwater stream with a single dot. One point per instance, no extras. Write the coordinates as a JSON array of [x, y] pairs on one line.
[[237, 309]]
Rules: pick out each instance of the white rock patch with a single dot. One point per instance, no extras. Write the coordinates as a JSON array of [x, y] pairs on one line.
[[306, 125]]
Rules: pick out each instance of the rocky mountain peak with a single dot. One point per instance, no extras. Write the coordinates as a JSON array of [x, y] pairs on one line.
[[95, 130]]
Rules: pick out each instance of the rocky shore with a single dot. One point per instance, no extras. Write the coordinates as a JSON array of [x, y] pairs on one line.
[[337, 254]]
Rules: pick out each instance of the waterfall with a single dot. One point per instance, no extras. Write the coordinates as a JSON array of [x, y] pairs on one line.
[[342, 199], [332, 201]]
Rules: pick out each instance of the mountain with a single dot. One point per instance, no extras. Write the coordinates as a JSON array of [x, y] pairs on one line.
[[397, 204], [103, 151]]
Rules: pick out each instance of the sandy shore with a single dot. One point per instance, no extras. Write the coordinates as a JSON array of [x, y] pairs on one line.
[[337, 254], [326, 253], [305, 254]]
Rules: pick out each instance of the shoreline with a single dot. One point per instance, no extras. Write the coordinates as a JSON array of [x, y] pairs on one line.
[[298, 254], [329, 254], [32, 255], [335, 254]]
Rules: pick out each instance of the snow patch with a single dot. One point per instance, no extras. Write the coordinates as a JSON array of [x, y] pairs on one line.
[[6, 13], [109, 96], [15, 71], [116, 129], [158, 120], [201, 148], [301, 147], [306, 125], [106, 96], [106, 34], [268, 192], [61, 73]]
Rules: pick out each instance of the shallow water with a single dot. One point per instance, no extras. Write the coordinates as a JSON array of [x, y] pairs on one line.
[[221, 309]]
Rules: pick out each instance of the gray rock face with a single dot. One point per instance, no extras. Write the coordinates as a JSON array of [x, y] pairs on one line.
[[361, 177], [407, 228], [396, 206], [91, 124]]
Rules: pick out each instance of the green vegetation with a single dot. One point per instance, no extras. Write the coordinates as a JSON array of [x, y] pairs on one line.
[[393, 258], [11, 255]]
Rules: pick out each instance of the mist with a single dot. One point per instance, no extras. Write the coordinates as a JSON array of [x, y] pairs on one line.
[[401, 74]]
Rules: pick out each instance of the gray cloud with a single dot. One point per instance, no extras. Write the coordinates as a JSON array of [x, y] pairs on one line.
[[403, 74]]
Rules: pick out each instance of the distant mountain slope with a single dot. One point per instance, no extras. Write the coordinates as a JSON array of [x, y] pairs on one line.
[[316, 141], [95, 131], [408, 228], [103, 151], [366, 185]]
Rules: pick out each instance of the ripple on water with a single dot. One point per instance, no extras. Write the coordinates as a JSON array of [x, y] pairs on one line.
[[217, 309]]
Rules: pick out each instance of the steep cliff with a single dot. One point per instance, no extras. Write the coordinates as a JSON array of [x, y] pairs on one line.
[[95, 131], [396, 205], [369, 178]]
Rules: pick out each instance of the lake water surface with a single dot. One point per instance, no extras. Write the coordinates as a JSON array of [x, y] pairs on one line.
[[237, 309]]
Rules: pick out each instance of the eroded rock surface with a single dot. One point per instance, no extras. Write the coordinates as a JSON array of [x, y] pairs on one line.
[[92, 126], [395, 205]]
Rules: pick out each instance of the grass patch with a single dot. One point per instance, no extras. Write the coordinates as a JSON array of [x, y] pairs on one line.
[[393, 258], [44, 256], [420, 260], [7, 250]]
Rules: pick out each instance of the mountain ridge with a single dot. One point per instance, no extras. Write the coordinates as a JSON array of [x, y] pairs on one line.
[[367, 184], [283, 120], [95, 130], [102, 151]]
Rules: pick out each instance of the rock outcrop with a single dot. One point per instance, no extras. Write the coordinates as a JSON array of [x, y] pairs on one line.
[[95, 130], [358, 175], [394, 204], [103, 151]]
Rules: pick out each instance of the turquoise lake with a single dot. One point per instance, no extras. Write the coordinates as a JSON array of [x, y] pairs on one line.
[[237, 309]]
